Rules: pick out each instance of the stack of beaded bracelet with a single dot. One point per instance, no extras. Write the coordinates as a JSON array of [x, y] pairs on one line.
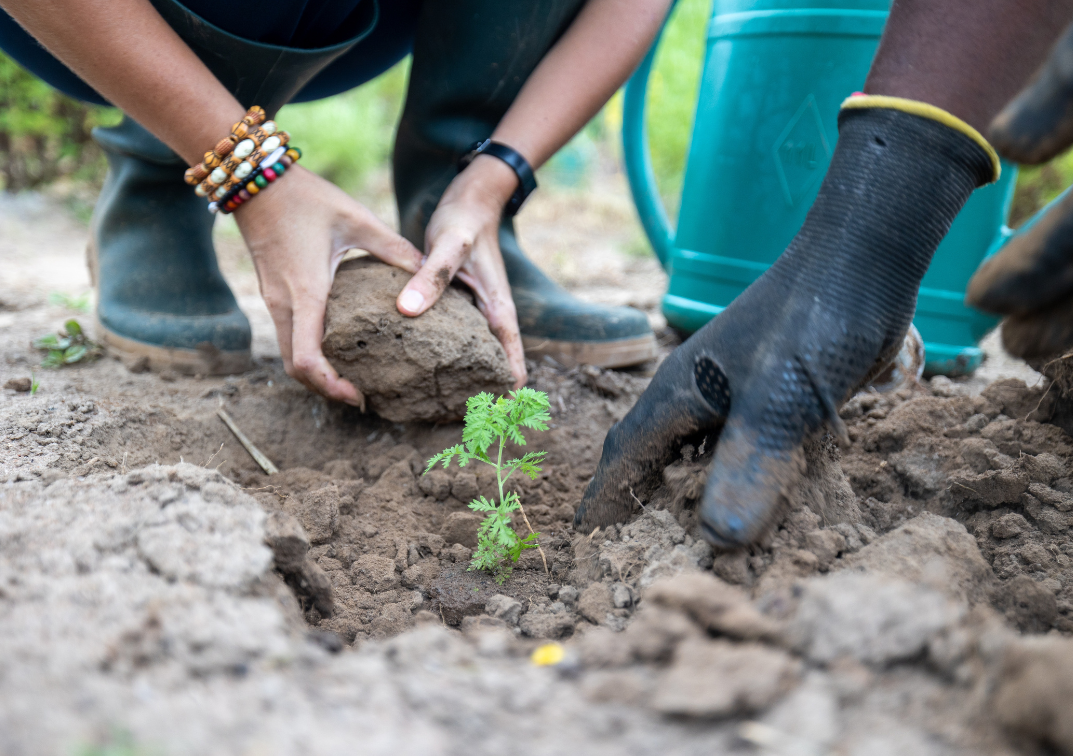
[[246, 156], [250, 154], [255, 116], [270, 169]]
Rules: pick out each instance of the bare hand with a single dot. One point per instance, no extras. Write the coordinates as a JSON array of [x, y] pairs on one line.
[[297, 232], [462, 238]]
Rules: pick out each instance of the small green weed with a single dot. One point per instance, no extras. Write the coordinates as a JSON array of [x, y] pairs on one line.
[[118, 743], [78, 303], [489, 420], [34, 384], [69, 346]]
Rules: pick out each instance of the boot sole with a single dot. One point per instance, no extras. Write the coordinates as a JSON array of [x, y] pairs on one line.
[[603, 354], [139, 356]]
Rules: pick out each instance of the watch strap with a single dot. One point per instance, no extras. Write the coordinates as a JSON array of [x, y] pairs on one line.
[[527, 182]]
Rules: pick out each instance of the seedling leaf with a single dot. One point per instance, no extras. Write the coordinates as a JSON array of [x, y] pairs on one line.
[[67, 347], [490, 420]]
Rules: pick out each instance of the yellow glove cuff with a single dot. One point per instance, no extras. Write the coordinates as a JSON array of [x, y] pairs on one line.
[[924, 110]]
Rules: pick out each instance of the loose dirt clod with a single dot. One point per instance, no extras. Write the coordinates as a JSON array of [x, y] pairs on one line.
[[409, 369], [21, 385]]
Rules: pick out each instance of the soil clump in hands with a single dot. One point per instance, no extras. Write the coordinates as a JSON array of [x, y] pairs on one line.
[[409, 369]]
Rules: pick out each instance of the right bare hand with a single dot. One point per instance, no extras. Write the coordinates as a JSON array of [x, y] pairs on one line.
[[297, 232]]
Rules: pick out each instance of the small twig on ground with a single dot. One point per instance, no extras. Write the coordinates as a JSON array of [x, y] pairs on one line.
[[639, 502], [966, 487], [214, 454], [257, 454], [1040, 402], [542, 557]]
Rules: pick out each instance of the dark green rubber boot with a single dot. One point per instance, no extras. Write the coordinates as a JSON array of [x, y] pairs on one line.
[[162, 303], [471, 58]]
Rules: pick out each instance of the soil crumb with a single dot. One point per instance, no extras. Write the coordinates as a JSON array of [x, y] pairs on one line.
[[409, 369]]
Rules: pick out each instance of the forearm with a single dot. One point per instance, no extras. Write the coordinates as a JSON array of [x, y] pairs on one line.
[[968, 57], [128, 53], [579, 74]]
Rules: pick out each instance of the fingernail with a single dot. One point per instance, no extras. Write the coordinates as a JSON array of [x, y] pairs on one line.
[[411, 300]]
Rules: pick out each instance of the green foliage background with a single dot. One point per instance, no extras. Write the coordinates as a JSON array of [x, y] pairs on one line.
[[347, 137], [44, 136]]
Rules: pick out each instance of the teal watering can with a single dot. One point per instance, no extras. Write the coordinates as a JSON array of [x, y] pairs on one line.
[[775, 74]]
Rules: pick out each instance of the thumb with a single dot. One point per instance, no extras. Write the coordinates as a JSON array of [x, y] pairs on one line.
[[423, 290]]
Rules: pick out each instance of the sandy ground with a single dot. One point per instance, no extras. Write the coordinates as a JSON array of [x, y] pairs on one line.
[[160, 594]]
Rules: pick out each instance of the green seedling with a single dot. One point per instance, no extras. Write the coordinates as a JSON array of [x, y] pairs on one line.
[[490, 420], [34, 384], [78, 303], [71, 345]]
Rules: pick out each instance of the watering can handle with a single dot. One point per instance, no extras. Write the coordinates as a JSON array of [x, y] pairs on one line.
[[639, 161]]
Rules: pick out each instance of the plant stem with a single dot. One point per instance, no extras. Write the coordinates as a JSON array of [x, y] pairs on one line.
[[499, 479]]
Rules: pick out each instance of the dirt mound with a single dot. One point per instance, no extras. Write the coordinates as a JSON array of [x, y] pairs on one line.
[[139, 606], [140, 615], [409, 369]]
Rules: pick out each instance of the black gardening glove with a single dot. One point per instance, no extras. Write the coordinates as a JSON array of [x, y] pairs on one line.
[[831, 311], [1031, 278]]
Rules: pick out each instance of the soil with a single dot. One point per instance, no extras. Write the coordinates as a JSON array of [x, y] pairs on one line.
[[159, 592], [410, 369]]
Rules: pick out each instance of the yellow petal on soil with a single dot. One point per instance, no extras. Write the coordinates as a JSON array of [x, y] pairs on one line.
[[547, 655]]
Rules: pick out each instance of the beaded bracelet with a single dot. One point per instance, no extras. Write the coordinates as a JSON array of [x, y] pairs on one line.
[[255, 116], [241, 171], [270, 169], [251, 149]]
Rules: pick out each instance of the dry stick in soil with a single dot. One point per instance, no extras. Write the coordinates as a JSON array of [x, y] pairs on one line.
[[489, 420], [258, 456]]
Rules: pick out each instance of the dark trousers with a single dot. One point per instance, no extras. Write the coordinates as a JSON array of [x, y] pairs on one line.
[[385, 27]]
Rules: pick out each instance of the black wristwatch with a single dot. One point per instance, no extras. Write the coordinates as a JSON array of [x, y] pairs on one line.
[[526, 180]]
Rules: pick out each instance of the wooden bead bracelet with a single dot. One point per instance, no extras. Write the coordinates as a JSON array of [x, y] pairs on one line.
[[270, 169], [244, 158], [254, 117]]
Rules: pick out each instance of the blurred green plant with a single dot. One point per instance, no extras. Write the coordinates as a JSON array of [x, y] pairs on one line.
[[45, 135], [76, 302], [672, 99], [69, 346], [672, 95], [1037, 185], [348, 137], [118, 743]]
